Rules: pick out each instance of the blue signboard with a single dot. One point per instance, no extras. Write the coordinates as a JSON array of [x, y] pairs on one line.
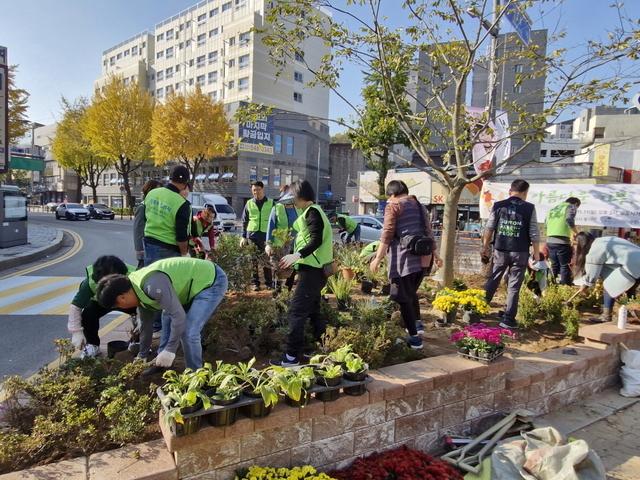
[[520, 22], [256, 136]]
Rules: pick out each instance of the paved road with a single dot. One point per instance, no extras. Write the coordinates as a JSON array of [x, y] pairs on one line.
[[34, 301]]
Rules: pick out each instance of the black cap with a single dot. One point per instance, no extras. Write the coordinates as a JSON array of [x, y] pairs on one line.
[[179, 174]]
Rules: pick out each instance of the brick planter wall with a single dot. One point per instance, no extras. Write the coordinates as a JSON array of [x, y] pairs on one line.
[[415, 403]]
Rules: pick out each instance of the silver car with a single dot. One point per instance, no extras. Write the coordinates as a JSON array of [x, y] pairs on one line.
[[72, 211], [370, 227]]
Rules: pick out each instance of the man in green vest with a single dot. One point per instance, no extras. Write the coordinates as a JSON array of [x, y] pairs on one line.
[[349, 225], [561, 226], [255, 221], [170, 286], [313, 250], [369, 250], [85, 312]]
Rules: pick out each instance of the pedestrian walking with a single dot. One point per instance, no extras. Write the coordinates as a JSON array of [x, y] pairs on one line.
[[408, 243], [561, 226], [85, 312], [255, 220], [613, 259], [282, 217], [139, 222], [313, 253], [186, 290], [512, 228], [349, 225]]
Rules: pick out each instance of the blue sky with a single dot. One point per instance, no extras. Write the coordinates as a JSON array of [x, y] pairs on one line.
[[58, 43]]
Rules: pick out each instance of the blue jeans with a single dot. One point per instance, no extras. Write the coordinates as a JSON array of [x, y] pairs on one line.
[[608, 301], [152, 253], [560, 255], [203, 306]]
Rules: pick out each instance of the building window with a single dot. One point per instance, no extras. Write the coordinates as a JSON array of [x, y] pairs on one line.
[[297, 76], [213, 57], [119, 56], [126, 52], [188, 24], [180, 45], [187, 43], [169, 89], [244, 38], [177, 68], [214, 95], [299, 57], [213, 33], [191, 82], [517, 68], [169, 34], [200, 61], [276, 177], [202, 18], [297, 97], [160, 54], [277, 143], [168, 73], [243, 61], [159, 37], [213, 13], [168, 52], [253, 174], [265, 175], [191, 62], [232, 63], [289, 145], [232, 41], [178, 86], [287, 177], [598, 132], [105, 179], [226, 6], [517, 88], [112, 61], [231, 84], [202, 38], [134, 51], [243, 83], [200, 80], [212, 77], [160, 76]]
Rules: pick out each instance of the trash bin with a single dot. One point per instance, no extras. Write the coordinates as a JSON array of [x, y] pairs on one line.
[[13, 217]]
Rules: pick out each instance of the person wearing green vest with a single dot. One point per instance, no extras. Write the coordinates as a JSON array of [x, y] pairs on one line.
[[369, 250], [313, 249], [187, 291], [139, 221], [202, 224], [282, 218], [255, 221], [561, 226], [85, 312], [349, 225]]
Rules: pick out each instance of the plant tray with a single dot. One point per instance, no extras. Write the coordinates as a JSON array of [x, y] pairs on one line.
[[486, 361]]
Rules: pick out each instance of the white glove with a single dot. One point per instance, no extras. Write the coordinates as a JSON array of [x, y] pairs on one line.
[[244, 242], [165, 359], [74, 323], [77, 339], [288, 260], [268, 250]]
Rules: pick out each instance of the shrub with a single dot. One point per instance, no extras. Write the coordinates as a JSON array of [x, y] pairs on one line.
[[553, 300], [528, 309], [571, 322], [236, 261]]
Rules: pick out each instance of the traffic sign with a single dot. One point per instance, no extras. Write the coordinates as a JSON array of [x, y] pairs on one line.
[[520, 22], [4, 110]]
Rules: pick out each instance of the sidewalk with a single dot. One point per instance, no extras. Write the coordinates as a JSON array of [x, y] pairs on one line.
[[610, 423], [42, 241]]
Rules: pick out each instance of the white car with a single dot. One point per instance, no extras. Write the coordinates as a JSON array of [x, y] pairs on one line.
[[370, 227], [72, 211]]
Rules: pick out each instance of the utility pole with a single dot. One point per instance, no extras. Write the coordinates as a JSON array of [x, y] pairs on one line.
[[494, 30]]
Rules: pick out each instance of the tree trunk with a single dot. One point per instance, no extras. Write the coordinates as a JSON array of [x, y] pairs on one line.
[[127, 189], [383, 169], [94, 192], [449, 226], [79, 190]]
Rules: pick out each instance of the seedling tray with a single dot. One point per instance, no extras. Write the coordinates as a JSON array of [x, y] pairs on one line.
[[486, 360]]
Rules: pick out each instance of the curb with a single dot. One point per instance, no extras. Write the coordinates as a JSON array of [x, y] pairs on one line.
[[36, 254]]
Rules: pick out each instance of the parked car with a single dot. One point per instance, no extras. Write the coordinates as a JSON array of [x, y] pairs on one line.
[[52, 206], [100, 210], [370, 227], [72, 211]]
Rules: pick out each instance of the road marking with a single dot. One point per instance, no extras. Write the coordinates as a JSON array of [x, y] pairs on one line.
[[77, 246], [22, 307]]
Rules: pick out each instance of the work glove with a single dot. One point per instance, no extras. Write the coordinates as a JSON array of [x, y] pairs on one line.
[[288, 260], [165, 359], [268, 250], [244, 242], [78, 340]]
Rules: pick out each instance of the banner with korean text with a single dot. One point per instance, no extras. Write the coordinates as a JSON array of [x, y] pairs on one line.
[[256, 136], [613, 205]]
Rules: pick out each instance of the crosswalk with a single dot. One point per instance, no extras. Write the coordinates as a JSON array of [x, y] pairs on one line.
[[33, 295]]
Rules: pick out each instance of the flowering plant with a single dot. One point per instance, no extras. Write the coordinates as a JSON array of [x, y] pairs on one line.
[[269, 473], [481, 337], [473, 300], [446, 300]]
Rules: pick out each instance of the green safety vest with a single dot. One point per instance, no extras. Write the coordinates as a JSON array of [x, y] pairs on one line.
[[324, 253], [349, 223], [282, 221], [259, 217], [160, 207], [556, 223], [93, 286], [189, 276], [369, 249], [200, 231]]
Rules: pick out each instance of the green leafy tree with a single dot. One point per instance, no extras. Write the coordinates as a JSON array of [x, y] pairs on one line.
[[18, 123], [72, 149], [450, 37]]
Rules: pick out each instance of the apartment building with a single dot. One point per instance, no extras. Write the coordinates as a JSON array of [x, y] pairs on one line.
[[212, 45]]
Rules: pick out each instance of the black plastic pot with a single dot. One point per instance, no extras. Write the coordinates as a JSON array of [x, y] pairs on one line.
[[343, 306], [116, 346], [366, 287], [328, 382], [386, 289], [191, 424], [257, 409], [328, 396], [224, 418], [210, 391], [355, 377], [304, 400]]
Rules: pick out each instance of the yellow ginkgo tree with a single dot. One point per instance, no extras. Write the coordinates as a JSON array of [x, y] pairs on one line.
[[189, 128]]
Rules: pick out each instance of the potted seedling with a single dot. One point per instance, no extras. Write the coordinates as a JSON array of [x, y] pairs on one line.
[[295, 384], [339, 356], [227, 393], [328, 374], [341, 288], [182, 397], [355, 371], [473, 304], [446, 301], [258, 384], [366, 281], [350, 262]]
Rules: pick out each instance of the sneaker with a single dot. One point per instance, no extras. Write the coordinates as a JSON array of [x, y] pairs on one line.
[[420, 327], [90, 351], [285, 361], [510, 324], [415, 342]]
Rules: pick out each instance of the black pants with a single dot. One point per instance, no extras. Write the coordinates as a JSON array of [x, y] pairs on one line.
[[404, 291], [304, 304], [268, 280], [560, 255], [91, 321], [515, 265]]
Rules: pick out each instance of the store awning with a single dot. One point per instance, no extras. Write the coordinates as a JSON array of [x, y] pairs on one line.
[[214, 176], [227, 176], [26, 162]]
